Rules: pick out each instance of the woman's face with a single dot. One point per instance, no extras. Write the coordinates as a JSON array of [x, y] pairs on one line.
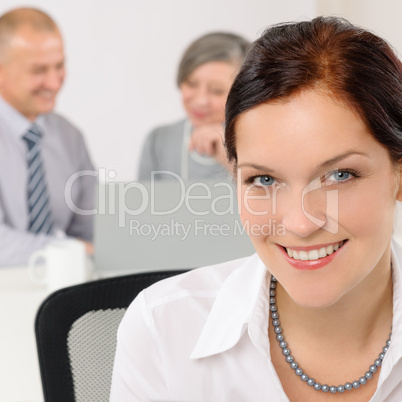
[[317, 195], [205, 90]]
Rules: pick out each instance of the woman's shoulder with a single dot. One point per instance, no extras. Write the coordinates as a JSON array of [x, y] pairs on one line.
[[168, 130]]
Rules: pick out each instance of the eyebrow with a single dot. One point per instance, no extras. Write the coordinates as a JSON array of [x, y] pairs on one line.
[[327, 163], [341, 157], [263, 169]]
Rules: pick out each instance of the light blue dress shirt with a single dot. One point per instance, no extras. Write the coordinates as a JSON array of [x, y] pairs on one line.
[[63, 153]]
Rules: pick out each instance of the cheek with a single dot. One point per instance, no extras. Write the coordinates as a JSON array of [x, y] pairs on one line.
[[186, 92], [62, 76], [34, 82], [219, 106], [368, 211], [257, 214]]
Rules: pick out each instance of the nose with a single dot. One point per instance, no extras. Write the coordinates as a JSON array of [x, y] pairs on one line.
[[54, 79], [304, 211], [201, 97]]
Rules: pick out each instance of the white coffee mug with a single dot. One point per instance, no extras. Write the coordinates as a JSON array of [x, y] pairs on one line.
[[65, 264]]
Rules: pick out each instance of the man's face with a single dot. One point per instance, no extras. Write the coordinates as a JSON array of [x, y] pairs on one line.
[[32, 71]]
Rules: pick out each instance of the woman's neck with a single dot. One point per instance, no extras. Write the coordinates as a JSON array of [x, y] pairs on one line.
[[362, 314]]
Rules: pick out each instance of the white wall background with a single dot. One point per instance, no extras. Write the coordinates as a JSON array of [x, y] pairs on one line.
[[122, 57], [382, 17]]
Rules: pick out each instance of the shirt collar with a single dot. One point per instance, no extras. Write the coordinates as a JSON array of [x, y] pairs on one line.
[[394, 353], [17, 124], [235, 311], [224, 328]]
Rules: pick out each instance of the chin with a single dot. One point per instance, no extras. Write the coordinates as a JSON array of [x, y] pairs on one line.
[[45, 110]]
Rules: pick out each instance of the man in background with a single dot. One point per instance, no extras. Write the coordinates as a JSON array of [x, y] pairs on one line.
[[39, 150]]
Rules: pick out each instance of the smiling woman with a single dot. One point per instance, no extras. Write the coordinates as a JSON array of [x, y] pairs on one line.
[[313, 128], [193, 148]]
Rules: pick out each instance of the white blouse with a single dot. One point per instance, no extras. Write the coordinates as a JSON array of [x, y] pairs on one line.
[[202, 337]]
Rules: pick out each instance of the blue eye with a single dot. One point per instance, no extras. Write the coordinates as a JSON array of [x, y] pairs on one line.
[[341, 176], [264, 181]]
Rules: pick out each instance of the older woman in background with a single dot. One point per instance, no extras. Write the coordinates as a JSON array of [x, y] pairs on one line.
[[193, 147]]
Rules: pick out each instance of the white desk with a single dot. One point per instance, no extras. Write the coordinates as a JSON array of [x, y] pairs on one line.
[[19, 369], [20, 299]]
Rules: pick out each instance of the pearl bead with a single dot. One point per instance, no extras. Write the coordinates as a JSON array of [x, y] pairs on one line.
[[299, 372], [368, 375], [289, 359], [348, 386]]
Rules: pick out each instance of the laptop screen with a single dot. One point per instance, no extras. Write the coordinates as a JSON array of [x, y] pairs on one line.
[[159, 225]]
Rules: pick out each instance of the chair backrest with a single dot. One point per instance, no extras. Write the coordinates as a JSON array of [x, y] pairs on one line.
[[76, 331]]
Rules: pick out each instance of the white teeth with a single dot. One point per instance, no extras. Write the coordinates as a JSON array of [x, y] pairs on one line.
[[322, 252], [313, 255], [303, 255]]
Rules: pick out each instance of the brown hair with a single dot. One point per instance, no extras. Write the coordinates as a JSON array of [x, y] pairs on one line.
[[326, 53]]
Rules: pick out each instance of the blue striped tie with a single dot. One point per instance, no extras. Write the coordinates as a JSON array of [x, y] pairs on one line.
[[39, 212]]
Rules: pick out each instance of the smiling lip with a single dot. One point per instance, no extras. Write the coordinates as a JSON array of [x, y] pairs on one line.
[[198, 115], [315, 263]]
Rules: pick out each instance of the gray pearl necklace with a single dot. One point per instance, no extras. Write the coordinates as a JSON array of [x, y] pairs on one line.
[[299, 372]]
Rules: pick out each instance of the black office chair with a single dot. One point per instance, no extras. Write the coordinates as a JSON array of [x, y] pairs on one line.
[[76, 330]]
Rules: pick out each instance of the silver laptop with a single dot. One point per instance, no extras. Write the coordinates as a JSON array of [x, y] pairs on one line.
[[159, 225]]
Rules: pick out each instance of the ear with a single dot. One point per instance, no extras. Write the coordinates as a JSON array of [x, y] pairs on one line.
[[399, 168]]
